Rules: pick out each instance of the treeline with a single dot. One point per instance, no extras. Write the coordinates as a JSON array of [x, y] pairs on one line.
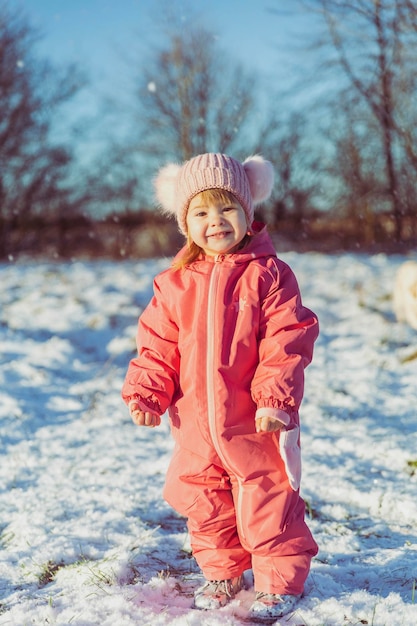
[[144, 234], [342, 136]]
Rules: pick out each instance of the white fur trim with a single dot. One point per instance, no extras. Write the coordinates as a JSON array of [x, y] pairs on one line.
[[260, 174]]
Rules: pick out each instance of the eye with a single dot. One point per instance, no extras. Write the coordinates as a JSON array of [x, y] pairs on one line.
[[197, 212], [229, 208]]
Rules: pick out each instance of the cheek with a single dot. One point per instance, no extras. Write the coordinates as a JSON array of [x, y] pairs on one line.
[[193, 231]]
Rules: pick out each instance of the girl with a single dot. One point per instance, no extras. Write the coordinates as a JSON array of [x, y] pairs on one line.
[[222, 346]]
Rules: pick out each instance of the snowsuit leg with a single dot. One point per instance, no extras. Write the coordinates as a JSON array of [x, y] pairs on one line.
[[202, 492], [270, 514], [244, 516]]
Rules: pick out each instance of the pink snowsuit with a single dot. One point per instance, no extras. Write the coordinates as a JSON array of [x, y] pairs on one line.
[[222, 341]]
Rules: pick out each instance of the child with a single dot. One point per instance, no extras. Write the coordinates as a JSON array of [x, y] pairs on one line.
[[223, 345]]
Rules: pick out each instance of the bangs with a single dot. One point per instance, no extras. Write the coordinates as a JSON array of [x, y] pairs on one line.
[[217, 195]]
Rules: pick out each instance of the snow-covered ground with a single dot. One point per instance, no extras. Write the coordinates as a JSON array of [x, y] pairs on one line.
[[85, 536]]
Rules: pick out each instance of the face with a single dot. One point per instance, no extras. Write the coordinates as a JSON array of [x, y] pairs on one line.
[[216, 227]]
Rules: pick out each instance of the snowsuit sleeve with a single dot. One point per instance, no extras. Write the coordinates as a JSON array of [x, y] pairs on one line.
[[287, 333], [152, 376]]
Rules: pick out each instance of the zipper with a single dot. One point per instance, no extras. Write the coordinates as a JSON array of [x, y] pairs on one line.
[[211, 405], [211, 309]]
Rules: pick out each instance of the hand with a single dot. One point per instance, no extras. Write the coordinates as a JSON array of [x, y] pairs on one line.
[[143, 418], [268, 424]]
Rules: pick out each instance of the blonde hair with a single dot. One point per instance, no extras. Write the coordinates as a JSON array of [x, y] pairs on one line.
[[193, 250]]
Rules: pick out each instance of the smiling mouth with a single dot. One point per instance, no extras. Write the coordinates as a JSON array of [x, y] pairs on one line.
[[221, 234]]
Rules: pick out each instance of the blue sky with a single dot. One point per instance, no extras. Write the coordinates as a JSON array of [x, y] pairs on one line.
[[100, 34], [106, 37]]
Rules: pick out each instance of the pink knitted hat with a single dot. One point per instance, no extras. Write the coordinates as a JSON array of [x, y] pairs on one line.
[[250, 182]]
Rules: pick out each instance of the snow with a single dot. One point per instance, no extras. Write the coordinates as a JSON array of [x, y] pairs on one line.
[[86, 537]]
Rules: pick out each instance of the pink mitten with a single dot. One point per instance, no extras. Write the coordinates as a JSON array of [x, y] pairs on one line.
[[291, 455]]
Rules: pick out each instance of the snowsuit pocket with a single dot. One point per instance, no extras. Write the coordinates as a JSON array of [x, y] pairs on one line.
[[291, 455]]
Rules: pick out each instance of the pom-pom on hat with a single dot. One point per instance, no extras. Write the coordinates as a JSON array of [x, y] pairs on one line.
[[250, 182]]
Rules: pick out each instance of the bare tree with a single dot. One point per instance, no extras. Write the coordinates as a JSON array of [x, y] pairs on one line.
[[188, 98], [34, 169], [192, 99], [374, 44], [285, 141]]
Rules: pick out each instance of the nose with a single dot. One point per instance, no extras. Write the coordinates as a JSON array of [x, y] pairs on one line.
[[216, 218]]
